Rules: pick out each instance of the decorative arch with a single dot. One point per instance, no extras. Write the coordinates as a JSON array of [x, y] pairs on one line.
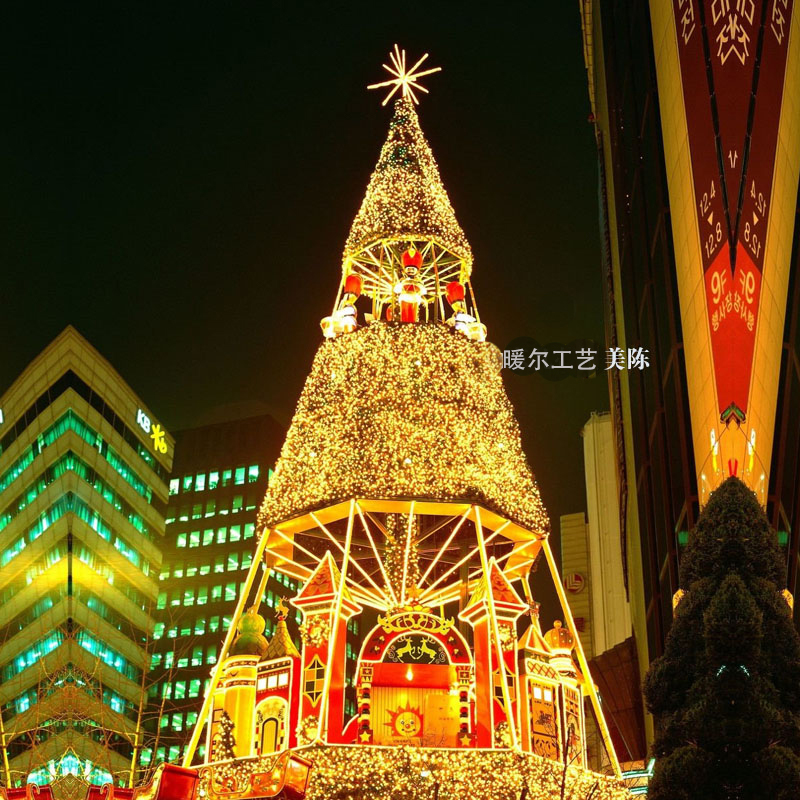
[[272, 725]]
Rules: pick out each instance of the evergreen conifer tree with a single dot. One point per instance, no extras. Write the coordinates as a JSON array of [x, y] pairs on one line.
[[726, 691]]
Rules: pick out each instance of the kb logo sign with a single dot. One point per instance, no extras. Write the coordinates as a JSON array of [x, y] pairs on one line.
[[143, 420], [157, 433]]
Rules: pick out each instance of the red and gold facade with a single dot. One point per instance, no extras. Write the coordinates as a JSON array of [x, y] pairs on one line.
[[729, 82]]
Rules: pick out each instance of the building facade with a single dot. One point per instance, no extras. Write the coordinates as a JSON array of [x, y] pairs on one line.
[[696, 106], [591, 562], [84, 467], [220, 476]]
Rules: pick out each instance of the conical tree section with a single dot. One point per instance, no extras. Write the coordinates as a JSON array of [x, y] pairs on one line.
[[405, 196], [399, 411], [726, 692]]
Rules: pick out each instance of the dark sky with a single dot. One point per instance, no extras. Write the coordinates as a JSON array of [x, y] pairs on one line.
[[178, 182]]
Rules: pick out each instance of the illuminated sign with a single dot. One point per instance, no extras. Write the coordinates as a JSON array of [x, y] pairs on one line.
[[156, 432]]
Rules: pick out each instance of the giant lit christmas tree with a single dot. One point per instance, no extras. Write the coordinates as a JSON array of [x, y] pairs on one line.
[[403, 505]]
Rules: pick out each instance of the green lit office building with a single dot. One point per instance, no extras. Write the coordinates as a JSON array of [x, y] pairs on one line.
[[219, 479], [84, 469]]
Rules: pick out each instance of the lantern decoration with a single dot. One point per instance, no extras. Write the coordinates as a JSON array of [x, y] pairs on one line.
[[403, 506]]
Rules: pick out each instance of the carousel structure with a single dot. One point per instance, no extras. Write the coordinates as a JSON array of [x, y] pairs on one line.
[[404, 506]]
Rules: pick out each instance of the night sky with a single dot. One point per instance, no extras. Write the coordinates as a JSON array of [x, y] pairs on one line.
[[179, 181]]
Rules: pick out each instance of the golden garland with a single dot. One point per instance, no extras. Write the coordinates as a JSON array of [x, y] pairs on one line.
[[315, 630]]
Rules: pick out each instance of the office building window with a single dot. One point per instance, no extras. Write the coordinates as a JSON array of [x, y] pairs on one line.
[[238, 501], [181, 540], [222, 534], [233, 561], [230, 592], [252, 473], [187, 483], [227, 475], [200, 626], [249, 530], [213, 624], [239, 476], [194, 687], [211, 508], [162, 600], [202, 595], [197, 511], [205, 569], [213, 480], [200, 482], [197, 656], [194, 539], [216, 592], [174, 486], [235, 533]]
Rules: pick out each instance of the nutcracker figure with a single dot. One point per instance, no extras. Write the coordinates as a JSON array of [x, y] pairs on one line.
[[410, 290]]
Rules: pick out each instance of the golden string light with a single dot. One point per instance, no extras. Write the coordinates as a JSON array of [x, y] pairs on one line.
[[405, 197], [397, 411], [414, 773]]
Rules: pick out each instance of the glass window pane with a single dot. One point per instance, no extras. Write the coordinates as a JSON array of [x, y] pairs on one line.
[[239, 476], [187, 482], [200, 482], [226, 477], [236, 533], [174, 486], [213, 480], [252, 473]]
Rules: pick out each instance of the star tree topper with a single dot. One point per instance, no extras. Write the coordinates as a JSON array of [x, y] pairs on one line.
[[405, 79]]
